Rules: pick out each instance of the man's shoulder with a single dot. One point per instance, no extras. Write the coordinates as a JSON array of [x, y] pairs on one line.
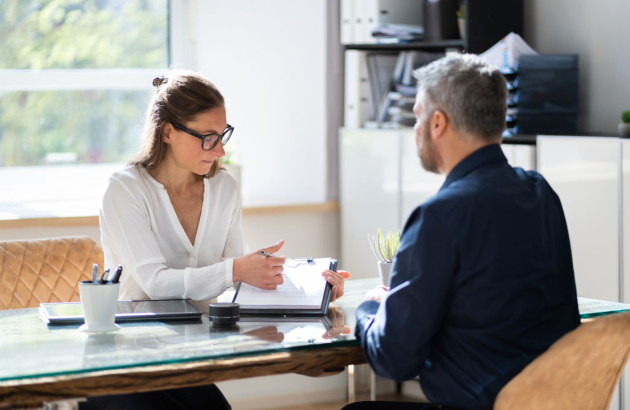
[[473, 191], [529, 175]]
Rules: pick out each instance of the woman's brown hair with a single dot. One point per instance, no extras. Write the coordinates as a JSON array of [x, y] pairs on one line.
[[179, 98]]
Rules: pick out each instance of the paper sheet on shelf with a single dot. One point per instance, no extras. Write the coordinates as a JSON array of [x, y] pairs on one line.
[[506, 52]]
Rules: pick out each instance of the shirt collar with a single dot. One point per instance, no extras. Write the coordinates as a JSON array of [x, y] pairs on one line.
[[484, 155]]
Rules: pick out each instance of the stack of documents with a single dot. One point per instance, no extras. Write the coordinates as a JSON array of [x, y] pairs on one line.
[[506, 53], [399, 32]]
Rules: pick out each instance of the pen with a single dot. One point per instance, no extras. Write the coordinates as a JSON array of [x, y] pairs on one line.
[[116, 275], [307, 260], [104, 276], [95, 273]]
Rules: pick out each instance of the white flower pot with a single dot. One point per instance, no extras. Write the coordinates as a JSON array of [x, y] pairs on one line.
[[461, 25], [384, 269], [624, 129]]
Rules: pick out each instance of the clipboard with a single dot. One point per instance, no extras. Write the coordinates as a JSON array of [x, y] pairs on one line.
[[305, 292]]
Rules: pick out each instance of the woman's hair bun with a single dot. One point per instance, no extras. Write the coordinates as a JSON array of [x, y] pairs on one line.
[[158, 81]]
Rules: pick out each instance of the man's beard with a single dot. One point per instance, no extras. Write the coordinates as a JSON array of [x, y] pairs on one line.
[[429, 155]]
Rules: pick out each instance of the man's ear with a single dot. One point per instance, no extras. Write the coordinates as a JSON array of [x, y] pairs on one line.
[[437, 124]]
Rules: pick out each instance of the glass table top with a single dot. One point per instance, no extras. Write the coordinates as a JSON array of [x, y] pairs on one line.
[[30, 348]]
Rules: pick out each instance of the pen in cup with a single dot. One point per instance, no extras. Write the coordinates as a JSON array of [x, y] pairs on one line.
[[104, 276], [95, 273], [115, 277]]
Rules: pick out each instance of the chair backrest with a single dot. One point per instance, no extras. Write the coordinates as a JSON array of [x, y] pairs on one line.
[[579, 371], [45, 270]]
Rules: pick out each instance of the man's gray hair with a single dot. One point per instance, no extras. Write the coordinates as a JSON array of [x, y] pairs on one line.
[[469, 91]]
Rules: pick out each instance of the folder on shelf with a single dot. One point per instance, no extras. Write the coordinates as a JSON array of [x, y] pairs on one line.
[[356, 90], [347, 23], [304, 291], [360, 19], [380, 68]]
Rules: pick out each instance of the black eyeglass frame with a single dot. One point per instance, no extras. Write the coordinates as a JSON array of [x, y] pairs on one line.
[[224, 138]]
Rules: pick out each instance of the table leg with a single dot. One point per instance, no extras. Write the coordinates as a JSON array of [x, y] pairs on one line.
[[361, 383]]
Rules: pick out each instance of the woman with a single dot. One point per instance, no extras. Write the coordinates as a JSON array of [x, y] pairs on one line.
[[172, 218]]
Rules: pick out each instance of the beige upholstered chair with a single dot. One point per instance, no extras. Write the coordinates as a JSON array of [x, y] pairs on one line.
[[45, 270], [580, 371]]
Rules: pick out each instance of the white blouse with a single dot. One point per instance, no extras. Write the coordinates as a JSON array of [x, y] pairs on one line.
[[140, 231]]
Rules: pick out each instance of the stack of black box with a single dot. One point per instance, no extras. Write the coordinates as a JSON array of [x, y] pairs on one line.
[[543, 95]]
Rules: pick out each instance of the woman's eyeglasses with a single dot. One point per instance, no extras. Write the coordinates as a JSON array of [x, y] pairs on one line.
[[208, 141]]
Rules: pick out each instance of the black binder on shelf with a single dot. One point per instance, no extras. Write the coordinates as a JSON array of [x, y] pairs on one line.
[[544, 95], [304, 291]]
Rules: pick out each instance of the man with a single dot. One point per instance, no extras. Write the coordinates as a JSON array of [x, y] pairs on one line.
[[483, 280]]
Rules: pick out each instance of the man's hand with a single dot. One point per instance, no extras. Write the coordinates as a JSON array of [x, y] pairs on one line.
[[377, 294]]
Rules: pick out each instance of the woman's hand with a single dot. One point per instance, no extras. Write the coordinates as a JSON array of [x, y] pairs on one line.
[[258, 270], [336, 279]]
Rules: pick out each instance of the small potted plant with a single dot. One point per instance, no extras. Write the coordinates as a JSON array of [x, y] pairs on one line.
[[461, 21], [384, 248], [624, 125]]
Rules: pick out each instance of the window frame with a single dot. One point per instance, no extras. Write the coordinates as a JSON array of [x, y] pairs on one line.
[[180, 53]]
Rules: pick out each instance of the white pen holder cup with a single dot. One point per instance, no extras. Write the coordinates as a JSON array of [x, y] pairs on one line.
[[99, 306], [384, 268]]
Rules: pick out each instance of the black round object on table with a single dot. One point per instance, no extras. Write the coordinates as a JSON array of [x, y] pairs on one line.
[[224, 314]]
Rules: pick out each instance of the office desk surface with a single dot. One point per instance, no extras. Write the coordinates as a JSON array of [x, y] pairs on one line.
[[46, 363]]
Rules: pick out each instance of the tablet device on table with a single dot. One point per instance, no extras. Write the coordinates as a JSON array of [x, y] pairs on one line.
[[65, 313]]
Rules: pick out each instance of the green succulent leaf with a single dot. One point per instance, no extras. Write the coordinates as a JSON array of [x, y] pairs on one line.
[[384, 247]]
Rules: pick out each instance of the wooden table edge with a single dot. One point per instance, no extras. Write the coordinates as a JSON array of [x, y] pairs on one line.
[[319, 361]]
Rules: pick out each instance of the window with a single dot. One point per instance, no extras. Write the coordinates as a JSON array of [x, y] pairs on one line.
[[75, 79]]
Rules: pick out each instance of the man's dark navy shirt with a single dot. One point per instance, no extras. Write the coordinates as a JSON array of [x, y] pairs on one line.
[[482, 284]]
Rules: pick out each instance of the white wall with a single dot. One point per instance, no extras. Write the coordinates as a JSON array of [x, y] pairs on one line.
[[597, 30], [269, 59]]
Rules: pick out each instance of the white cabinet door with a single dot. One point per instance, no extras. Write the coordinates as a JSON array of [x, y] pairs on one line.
[[520, 155], [369, 190], [381, 182], [584, 172], [417, 185]]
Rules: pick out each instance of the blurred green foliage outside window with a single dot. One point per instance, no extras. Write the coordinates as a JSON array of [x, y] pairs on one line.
[[88, 123]]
